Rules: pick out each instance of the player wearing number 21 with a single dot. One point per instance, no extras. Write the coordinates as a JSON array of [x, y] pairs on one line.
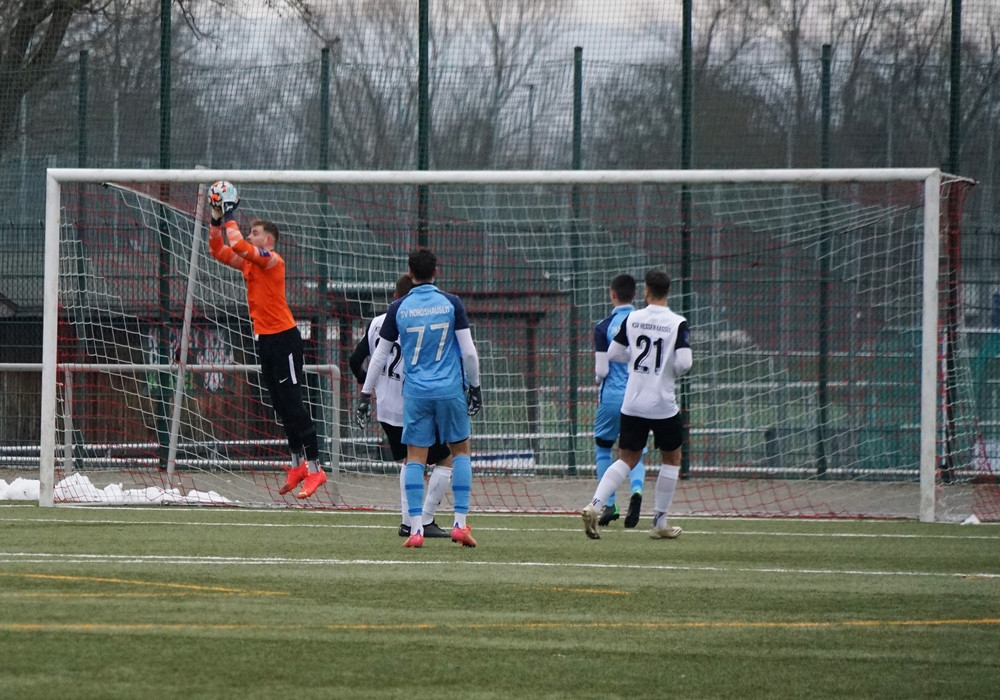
[[654, 342], [441, 389], [279, 343]]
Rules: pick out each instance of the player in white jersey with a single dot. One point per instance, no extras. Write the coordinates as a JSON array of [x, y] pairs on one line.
[[389, 413], [654, 342]]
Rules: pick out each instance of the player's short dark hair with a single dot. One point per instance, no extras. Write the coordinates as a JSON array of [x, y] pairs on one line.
[[423, 265], [658, 284], [624, 287], [403, 286], [269, 227]]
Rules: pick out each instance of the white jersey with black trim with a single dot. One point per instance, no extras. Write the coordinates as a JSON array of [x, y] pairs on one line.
[[389, 383], [649, 340]]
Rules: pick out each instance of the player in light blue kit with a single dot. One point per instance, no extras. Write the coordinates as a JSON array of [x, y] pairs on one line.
[[611, 379], [441, 389]]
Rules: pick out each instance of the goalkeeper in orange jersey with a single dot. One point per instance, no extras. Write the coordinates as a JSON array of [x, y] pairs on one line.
[[279, 343]]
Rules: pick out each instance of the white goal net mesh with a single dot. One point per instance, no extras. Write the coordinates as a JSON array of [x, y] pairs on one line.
[[804, 301]]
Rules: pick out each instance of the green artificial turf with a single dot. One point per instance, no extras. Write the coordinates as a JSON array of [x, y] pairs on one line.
[[209, 603]]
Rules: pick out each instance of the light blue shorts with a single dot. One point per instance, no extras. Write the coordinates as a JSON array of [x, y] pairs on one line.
[[607, 422], [426, 421]]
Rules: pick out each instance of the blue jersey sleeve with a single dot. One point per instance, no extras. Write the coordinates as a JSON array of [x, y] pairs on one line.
[[461, 319], [622, 336], [389, 330], [683, 341], [601, 335]]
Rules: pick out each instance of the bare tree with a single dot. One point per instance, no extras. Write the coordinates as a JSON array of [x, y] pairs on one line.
[[31, 33], [373, 54], [482, 52], [34, 34], [501, 45]]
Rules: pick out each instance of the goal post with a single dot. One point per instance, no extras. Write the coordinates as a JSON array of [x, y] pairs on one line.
[[796, 406]]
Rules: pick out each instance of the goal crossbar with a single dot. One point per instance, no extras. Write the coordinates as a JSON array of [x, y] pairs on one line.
[[495, 177]]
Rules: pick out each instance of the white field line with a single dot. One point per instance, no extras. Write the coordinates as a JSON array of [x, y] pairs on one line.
[[181, 560], [341, 525]]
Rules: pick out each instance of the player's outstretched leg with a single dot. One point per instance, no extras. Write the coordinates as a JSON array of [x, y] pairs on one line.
[[604, 460], [612, 479]]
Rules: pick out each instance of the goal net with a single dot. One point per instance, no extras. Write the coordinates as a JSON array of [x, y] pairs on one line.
[[830, 376]]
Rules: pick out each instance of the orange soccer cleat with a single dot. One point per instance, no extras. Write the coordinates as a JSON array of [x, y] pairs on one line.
[[463, 535], [295, 476], [312, 482]]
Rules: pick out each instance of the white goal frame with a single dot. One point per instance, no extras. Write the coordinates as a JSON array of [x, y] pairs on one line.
[[930, 177]]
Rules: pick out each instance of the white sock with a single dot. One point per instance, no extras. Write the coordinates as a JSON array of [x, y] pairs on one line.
[[296, 459], [313, 466], [436, 487], [666, 484], [402, 497], [612, 479], [460, 520]]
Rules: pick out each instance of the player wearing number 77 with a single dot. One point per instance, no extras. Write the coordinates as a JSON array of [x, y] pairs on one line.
[[389, 410], [654, 342], [441, 389]]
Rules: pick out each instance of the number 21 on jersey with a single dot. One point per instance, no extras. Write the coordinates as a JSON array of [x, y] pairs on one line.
[[646, 345]]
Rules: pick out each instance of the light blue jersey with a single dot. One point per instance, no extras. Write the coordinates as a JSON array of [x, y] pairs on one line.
[[612, 389], [425, 322]]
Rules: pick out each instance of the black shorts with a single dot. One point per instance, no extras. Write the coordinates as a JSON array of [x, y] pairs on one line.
[[668, 433], [435, 454]]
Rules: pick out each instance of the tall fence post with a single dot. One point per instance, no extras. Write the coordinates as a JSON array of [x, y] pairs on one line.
[[823, 361], [165, 6], [574, 245], [81, 113], [423, 119], [687, 153], [953, 233]]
